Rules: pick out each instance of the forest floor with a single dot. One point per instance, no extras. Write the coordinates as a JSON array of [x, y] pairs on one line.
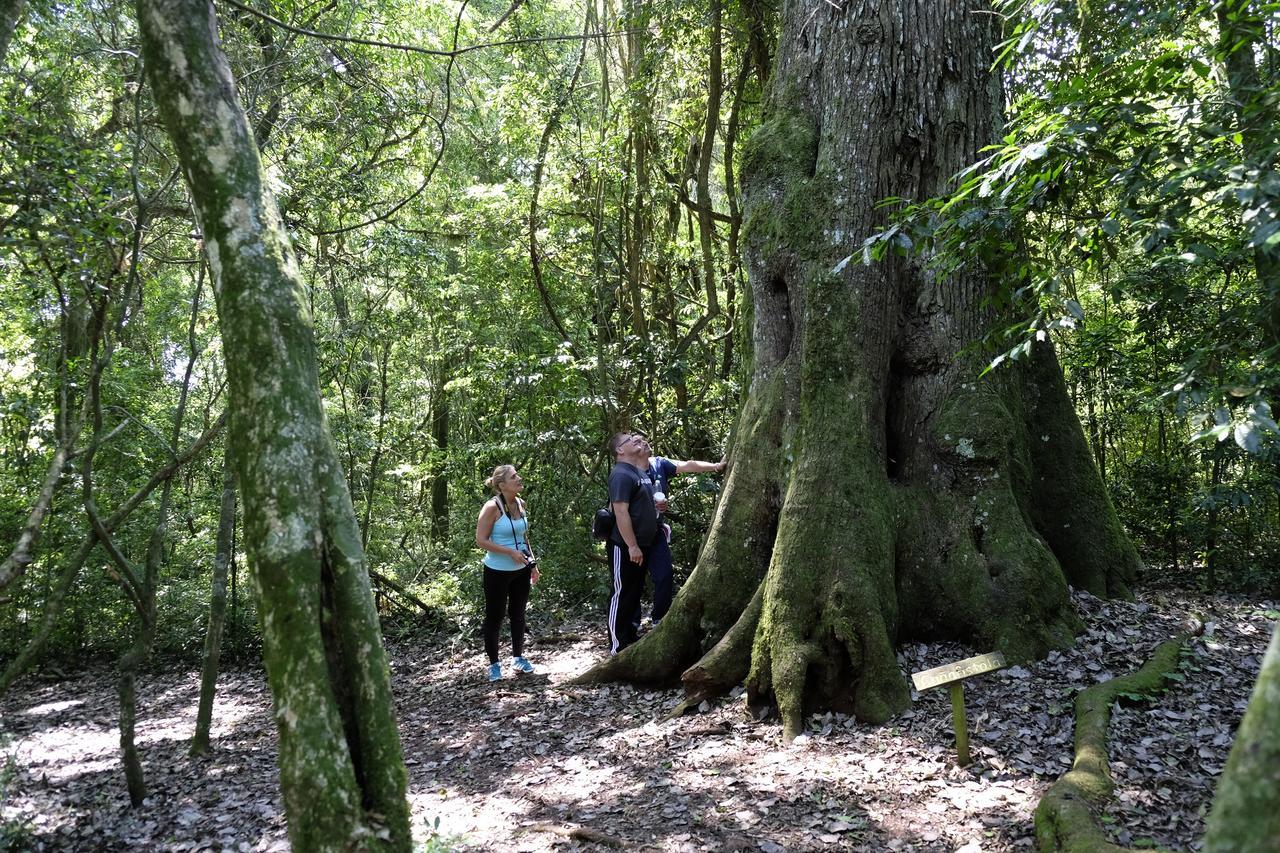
[[532, 764]]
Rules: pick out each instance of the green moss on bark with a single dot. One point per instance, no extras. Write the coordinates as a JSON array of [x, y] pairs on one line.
[[1069, 503], [1246, 807], [342, 774], [780, 159], [829, 604], [902, 484], [971, 565]]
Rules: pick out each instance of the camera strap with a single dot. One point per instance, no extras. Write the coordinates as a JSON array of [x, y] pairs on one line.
[[502, 505]]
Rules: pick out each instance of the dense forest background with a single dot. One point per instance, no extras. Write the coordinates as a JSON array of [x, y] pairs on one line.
[[514, 249]]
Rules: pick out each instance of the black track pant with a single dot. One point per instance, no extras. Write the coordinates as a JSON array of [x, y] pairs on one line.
[[509, 592], [624, 604]]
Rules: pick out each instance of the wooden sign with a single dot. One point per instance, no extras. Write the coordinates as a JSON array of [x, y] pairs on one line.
[[952, 675], [958, 671]]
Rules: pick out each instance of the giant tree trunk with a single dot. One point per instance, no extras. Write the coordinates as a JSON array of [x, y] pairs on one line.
[[879, 489], [341, 768]]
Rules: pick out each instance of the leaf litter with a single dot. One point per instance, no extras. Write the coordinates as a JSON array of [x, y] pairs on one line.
[[534, 764]]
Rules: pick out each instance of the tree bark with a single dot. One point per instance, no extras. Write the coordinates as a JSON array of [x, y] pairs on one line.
[[132, 661], [1246, 806], [217, 610], [706, 153], [10, 13], [440, 444], [879, 489], [342, 771], [24, 550], [544, 145], [735, 218], [1241, 29]]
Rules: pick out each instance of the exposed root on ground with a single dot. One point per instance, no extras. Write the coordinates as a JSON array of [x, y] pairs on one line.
[[1065, 817], [726, 664]]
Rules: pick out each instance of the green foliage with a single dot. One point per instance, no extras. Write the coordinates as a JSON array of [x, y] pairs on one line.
[[1122, 211], [437, 841], [1128, 160], [406, 181], [1132, 211], [15, 831]]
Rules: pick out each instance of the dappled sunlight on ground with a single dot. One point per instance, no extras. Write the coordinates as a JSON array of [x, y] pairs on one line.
[[534, 764]]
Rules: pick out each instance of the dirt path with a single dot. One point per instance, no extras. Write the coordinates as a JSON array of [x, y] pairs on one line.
[[532, 765]]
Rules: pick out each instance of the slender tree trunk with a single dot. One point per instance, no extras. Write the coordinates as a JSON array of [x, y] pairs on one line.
[[544, 145], [145, 616], [24, 550], [127, 686], [440, 444], [706, 153], [342, 772], [10, 13], [217, 610], [879, 489], [1241, 30], [735, 216], [56, 596], [1211, 540], [637, 222], [375, 462], [1171, 531]]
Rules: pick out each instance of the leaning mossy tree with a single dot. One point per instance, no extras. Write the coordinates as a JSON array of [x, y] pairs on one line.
[[879, 489], [1246, 806], [341, 768]]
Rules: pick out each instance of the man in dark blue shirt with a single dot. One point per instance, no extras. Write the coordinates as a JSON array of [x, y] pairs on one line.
[[659, 561], [635, 528]]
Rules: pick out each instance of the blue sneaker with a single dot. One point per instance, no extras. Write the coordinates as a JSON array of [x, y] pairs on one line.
[[521, 665], [495, 672]]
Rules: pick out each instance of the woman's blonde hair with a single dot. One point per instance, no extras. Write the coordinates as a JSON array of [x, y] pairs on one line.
[[499, 476]]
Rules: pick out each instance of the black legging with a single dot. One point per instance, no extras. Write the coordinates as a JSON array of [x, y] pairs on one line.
[[507, 591]]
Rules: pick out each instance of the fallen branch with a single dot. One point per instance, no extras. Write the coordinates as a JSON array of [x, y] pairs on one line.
[[580, 833], [1064, 820], [708, 731], [384, 581]]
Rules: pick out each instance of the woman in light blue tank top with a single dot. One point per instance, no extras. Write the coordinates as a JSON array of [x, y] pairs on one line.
[[510, 567]]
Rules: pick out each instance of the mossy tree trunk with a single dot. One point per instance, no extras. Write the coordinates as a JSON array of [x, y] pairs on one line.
[[1246, 806], [342, 772], [10, 13], [879, 490]]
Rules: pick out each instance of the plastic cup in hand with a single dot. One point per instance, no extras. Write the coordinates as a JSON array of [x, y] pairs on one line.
[[660, 501]]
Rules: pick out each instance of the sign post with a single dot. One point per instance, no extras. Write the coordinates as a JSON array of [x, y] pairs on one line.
[[952, 676]]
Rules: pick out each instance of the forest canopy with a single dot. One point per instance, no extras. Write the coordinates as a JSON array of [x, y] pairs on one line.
[[506, 231], [444, 349]]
